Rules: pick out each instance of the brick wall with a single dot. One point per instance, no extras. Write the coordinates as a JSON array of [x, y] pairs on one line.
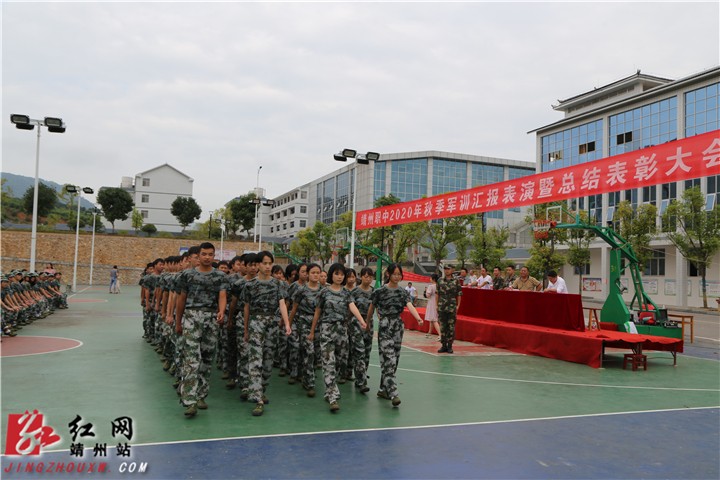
[[130, 254]]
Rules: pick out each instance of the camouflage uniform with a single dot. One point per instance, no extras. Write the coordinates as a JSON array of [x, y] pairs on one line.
[[231, 358], [263, 297], [241, 346], [389, 303], [447, 291], [302, 366], [333, 335], [509, 281], [200, 330], [360, 339], [282, 354]]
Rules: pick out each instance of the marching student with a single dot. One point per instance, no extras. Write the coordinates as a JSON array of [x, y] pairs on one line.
[[389, 301], [302, 367], [333, 305]]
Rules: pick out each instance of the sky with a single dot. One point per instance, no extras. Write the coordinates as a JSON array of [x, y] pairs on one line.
[[218, 90]]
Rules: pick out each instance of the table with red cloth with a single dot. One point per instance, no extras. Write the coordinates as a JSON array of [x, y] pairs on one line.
[[543, 324]]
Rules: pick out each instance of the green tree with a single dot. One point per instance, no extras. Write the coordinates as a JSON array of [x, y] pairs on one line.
[[405, 237], [241, 213], [440, 233], [638, 227], [697, 234], [116, 204], [578, 242], [488, 245], [543, 256], [303, 246], [137, 220], [185, 210], [150, 229], [47, 197], [315, 241]]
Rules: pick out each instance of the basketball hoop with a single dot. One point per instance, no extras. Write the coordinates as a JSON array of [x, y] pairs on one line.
[[541, 228]]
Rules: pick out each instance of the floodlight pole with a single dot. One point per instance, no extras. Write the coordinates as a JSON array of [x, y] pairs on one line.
[[77, 239], [354, 214], [33, 234], [92, 248]]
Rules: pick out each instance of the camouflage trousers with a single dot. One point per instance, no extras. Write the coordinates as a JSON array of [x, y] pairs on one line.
[[242, 353], [390, 335], [357, 349], [344, 358], [281, 345], [200, 332], [302, 352], [232, 350], [447, 327], [333, 338], [261, 350]]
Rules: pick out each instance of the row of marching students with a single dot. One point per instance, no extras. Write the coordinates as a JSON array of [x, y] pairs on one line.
[[252, 313], [29, 296]]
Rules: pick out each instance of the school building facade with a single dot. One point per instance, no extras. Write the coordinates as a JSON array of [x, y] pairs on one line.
[[630, 114]]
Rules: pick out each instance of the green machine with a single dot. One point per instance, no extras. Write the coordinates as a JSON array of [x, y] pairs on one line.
[[279, 252], [648, 318]]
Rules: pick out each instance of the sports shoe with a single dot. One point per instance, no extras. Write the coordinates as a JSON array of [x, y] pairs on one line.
[[341, 381], [266, 400], [282, 372], [311, 392], [443, 349], [258, 410], [334, 407], [450, 350], [383, 395], [191, 411], [364, 389], [292, 380], [176, 384], [395, 401], [244, 395], [231, 384], [201, 404], [225, 375], [166, 365]]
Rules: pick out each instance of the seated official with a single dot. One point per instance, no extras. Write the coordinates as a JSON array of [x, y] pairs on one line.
[[526, 283], [557, 284]]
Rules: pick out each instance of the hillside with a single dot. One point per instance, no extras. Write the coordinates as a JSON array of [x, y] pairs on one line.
[[17, 185]]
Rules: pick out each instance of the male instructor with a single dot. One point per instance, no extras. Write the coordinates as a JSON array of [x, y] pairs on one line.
[[449, 292]]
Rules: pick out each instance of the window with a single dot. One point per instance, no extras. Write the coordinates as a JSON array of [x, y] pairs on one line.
[[652, 124], [303, 194], [692, 270], [582, 270], [555, 156], [650, 195], [586, 147], [145, 199], [624, 138], [284, 226], [701, 110], [303, 209], [271, 229], [303, 223], [145, 182], [292, 224], [656, 264], [144, 213], [292, 210]]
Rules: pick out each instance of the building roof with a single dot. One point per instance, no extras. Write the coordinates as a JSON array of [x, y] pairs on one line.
[[164, 165]]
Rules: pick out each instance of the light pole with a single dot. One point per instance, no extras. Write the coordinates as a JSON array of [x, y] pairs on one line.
[[257, 195], [77, 190], [54, 125], [362, 160], [92, 248]]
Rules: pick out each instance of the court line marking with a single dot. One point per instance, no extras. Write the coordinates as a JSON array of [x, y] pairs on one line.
[[412, 427], [706, 338], [80, 344], [501, 379], [77, 293]]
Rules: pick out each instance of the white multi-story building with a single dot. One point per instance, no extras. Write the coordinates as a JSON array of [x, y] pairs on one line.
[[153, 192], [633, 113]]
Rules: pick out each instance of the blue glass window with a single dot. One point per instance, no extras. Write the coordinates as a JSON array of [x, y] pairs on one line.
[[409, 179], [701, 110], [379, 185], [483, 174], [449, 176], [573, 146], [643, 126]]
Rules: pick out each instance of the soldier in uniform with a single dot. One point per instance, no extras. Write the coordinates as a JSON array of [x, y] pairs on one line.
[[302, 349], [449, 292], [262, 295], [333, 304], [200, 309], [389, 301]]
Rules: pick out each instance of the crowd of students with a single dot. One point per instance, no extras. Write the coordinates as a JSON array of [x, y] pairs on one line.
[[249, 317], [29, 296]]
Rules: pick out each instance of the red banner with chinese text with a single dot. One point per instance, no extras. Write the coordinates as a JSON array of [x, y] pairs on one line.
[[684, 159]]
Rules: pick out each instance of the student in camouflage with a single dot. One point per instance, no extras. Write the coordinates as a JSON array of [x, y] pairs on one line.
[[304, 304], [200, 309], [262, 295], [243, 375], [346, 357], [237, 266], [361, 338], [389, 301], [333, 304], [449, 292], [283, 342]]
